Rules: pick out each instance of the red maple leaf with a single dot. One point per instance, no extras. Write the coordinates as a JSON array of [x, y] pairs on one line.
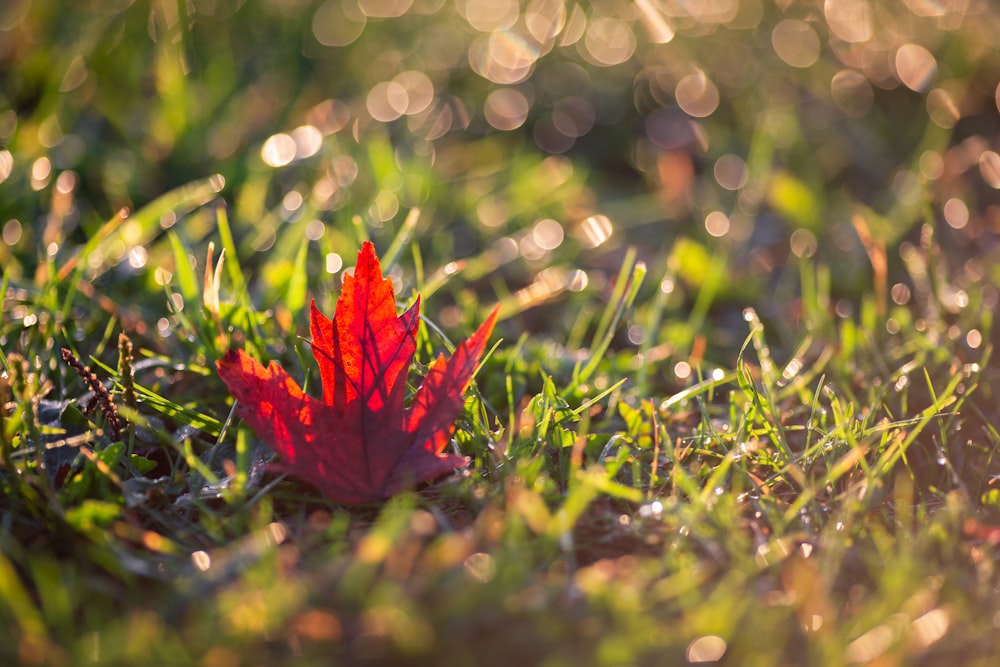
[[359, 443]]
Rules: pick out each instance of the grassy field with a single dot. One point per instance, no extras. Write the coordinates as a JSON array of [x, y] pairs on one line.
[[742, 406]]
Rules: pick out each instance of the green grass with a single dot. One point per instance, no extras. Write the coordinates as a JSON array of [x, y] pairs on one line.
[[769, 443]]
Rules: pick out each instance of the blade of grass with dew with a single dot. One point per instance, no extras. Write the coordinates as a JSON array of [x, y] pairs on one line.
[[853, 459], [578, 330], [622, 284], [629, 290], [652, 327], [401, 240], [696, 389], [596, 399], [763, 398], [441, 277], [419, 278], [681, 478], [168, 408], [513, 357], [183, 270], [229, 246], [898, 447]]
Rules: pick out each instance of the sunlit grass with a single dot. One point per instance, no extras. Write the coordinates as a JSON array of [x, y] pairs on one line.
[[741, 406]]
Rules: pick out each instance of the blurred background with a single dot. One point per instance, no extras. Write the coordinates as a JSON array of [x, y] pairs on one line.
[[733, 142]]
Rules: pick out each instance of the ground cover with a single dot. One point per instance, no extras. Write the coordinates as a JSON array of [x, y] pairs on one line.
[[739, 405]]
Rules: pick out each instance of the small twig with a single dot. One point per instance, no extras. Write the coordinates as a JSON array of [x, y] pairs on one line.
[[114, 421], [126, 373], [125, 359]]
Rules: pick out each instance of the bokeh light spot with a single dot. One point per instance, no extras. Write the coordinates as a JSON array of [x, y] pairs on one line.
[[577, 281], [870, 645], [41, 172], [900, 294], [576, 26], [730, 172], [716, 11], [480, 568], [595, 230], [529, 249], [137, 257], [608, 42], [708, 648], [50, 132], [504, 57], [915, 67], [75, 75], [292, 201], [345, 169], [942, 108], [512, 50], [545, 19], [330, 116], [419, 91], [956, 213], [850, 20], [491, 211], [436, 121], [384, 9], [315, 230], [386, 101], [659, 29], [803, 243], [12, 232], [506, 109], [308, 140], [6, 165], [490, 16], [338, 22], [66, 182], [932, 165], [696, 95], [334, 262], [717, 224], [547, 234], [929, 7], [385, 207], [796, 43], [974, 338], [989, 167], [278, 150]]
